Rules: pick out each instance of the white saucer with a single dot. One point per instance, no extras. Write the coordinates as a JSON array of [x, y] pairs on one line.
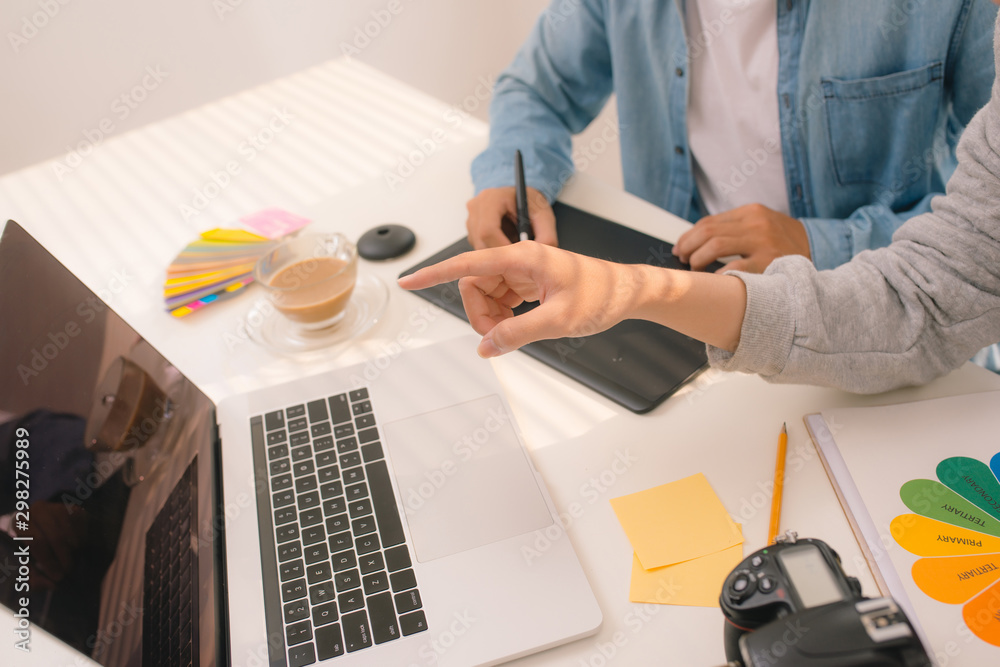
[[279, 334]]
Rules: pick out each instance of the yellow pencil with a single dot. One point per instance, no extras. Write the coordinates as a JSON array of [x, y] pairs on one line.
[[779, 483]]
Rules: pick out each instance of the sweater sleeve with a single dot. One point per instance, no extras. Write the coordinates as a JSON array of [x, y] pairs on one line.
[[897, 316]]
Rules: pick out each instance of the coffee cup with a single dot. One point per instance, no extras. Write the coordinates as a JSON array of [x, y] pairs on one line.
[[310, 278]]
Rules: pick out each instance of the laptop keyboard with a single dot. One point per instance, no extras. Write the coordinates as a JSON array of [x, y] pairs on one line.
[[170, 597], [345, 579]]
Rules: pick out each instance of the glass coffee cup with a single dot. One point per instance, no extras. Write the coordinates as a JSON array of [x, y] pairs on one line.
[[310, 278]]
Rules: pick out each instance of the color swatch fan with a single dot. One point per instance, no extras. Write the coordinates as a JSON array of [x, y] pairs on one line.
[[219, 264], [955, 529]]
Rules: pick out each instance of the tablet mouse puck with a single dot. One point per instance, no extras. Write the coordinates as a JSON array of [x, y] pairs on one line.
[[386, 241]]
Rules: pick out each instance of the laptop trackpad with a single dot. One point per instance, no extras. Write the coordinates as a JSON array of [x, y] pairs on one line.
[[464, 478]]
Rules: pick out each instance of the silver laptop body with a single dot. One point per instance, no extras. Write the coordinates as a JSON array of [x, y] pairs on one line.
[[384, 514]]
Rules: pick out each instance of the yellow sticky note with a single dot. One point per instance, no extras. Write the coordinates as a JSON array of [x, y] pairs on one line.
[[696, 582], [676, 522]]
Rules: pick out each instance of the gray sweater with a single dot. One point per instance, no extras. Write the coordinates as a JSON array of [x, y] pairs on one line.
[[896, 316]]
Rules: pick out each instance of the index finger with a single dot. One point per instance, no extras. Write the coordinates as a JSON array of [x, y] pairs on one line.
[[487, 262]]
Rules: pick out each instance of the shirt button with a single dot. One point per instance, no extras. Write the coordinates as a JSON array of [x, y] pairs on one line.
[[679, 150], [679, 72]]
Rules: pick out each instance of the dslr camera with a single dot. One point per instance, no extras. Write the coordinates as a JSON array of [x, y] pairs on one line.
[[790, 604]]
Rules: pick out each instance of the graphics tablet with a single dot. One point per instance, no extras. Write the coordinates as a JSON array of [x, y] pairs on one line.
[[636, 363]]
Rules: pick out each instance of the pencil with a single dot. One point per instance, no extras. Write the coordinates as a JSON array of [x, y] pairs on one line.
[[779, 483]]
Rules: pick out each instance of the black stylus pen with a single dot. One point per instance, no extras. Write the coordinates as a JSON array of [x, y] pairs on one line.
[[521, 198]]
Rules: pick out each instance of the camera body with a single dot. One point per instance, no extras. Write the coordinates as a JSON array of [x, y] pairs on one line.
[[791, 604]]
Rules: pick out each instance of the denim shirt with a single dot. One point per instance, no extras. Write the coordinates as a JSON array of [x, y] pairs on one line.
[[872, 94]]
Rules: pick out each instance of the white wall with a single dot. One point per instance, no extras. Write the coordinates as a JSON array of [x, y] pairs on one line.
[[75, 71]]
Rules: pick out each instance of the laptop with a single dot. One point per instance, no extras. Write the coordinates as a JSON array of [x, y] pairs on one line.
[[383, 514]]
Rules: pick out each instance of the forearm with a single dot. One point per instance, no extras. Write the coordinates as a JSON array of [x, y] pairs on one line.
[[705, 306], [555, 86], [520, 121], [890, 318]]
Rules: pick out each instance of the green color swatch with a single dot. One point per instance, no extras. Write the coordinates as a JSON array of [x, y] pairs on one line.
[[973, 480], [934, 500]]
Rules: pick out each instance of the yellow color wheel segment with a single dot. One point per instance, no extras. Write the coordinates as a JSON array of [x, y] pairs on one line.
[[927, 537]]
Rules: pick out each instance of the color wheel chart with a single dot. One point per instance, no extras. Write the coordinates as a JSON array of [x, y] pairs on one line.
[[919, 482], [955, 529]]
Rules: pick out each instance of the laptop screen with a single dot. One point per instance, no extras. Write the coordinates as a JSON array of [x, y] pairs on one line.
[[108, 477]]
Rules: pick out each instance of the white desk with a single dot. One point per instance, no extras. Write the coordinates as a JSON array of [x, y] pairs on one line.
[[116, 221]]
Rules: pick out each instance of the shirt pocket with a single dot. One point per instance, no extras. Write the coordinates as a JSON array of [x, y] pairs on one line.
[[877, 126]]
